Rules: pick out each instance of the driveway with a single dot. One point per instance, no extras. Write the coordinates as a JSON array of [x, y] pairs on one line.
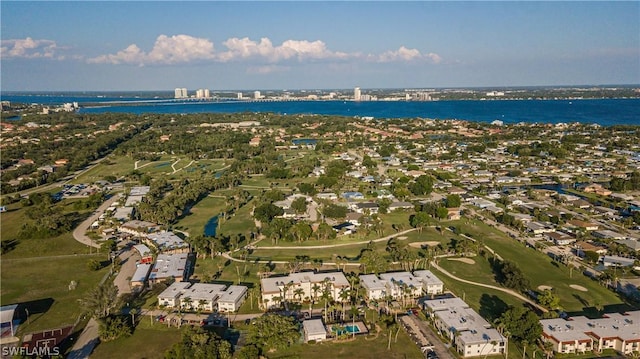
[[80, 232]]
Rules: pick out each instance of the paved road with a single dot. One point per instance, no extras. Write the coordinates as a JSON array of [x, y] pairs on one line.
[[89, 337], [86, 342], [505, 290], [80, 232], [128, 258]]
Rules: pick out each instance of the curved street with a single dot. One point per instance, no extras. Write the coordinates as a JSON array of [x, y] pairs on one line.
[[79, 233], [505, 290]]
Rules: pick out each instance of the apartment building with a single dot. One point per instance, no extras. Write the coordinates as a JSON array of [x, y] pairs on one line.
[[296, 287]]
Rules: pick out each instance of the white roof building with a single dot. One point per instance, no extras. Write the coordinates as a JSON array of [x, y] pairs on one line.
[[140, 275], [170, 266], [167, 241], [276, 289], [430, 283], [375, 288], [203, 296], [231, 299], [396, 283], [475, 337], [620, 332], [314, 329]]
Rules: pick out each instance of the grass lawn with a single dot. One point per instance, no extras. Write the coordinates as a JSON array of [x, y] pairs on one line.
[[112, 166], [200, 214], [358, 348], [146, 342], [63, 244], [539, 269], [47, 280]]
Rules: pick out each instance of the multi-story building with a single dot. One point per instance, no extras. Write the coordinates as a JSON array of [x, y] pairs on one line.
[[181, 92], [296, 287], [170, 266], [470, 334], [357, 94], [399, 284], [203, 93], [581, 334], [203, 296]]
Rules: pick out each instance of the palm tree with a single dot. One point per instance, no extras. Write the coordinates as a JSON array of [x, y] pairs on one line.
[[315, 289], [202, 303], [187, 302], [344, 296], [298, 292], [266, 304], [326, 295]]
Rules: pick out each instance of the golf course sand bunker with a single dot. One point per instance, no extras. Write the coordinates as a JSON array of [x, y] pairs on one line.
[[578, 287], [421, 244], [544, 287], [463, 260]]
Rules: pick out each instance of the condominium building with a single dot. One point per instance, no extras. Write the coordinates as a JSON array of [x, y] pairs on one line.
[[617, 331], [203, 296], [470, 334], [203, 93], [357, 94], [297, 287], [399, 284], [170, 266], [181, 92]]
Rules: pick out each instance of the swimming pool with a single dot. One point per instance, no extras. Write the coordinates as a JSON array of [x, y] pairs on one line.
[[346, 329]]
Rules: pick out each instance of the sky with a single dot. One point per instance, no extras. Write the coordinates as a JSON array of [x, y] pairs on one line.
[[161, 45]]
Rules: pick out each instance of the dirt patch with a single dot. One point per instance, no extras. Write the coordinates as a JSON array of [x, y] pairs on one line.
[[421, 244], [463, 260], [402, 238], [578, 287], [544, 287]]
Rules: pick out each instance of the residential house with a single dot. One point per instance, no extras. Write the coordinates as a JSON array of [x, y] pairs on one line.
[[560, 238], [400, 206], [582, 225]]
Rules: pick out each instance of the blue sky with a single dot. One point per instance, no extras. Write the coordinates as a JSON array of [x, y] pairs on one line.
[[305, 45]]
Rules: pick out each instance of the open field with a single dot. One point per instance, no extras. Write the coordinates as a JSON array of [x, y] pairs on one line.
[[11, 222], [538, 268], [140, 342], [119, 166], [47, 280], [199, 215], [358, 348], [112, 166]]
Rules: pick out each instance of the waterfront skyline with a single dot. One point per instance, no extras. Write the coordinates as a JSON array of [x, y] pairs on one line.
[[292, 45]]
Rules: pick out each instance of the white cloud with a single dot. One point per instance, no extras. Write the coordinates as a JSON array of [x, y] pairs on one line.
[[405, 54], [184, 49], [166, 51], [28, 48], [290, 49]]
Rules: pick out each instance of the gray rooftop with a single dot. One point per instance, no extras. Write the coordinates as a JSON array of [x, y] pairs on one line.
[[169, 265], [232, 294], [314, 327], [371, 282]]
